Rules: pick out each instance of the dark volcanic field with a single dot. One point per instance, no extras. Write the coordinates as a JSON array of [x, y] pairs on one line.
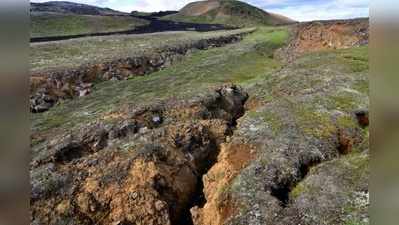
[[156, 25]]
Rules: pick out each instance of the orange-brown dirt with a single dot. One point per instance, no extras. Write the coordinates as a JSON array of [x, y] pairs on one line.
[[233, 157], [323, 35]]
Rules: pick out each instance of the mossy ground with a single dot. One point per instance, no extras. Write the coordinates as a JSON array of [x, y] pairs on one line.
[[45, 25], [328, 81], [356, 222], [239, 63], [351, 168], [352, 60]]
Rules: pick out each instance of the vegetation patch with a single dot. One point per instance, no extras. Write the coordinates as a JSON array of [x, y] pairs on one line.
[[52, 24], [344, 101], [356, 58], [316, 123], [346, 122], [272, 119], [298, 190]]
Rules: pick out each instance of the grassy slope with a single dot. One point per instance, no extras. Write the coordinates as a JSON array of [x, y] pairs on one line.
[[232, 13], [240, 63], [72, 53], [48, 24]]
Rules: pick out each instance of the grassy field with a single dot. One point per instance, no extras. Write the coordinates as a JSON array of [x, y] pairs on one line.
[[48, 24], [240, 63], [73, 53]]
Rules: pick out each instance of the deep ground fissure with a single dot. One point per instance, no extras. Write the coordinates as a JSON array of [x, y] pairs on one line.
[[199, 199]]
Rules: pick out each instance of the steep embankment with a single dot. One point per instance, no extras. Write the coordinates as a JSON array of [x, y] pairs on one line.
[[228, 12], [324, 35]]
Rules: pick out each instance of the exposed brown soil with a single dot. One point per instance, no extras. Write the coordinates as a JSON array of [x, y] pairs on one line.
[[323, 35], [232, 159]]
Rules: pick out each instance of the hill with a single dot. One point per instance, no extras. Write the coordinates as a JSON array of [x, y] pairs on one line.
[[72, 8], [229, 12], [67, 18]]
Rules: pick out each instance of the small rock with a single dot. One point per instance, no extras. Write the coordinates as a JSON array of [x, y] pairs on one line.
[[86, 85], [42, 107], [362, 116], [143, 130], [157, 120], [133, 196], [253, 128], [84, 92], [159, 205]]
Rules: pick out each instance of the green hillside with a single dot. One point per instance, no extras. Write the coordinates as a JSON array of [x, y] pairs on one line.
[[54, 24], [229, 12]]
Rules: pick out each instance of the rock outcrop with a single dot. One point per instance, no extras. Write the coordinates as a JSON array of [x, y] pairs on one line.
[[323, 35]]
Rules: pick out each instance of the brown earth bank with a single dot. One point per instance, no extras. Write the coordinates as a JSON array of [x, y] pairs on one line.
[[321, 35], [48, 87]]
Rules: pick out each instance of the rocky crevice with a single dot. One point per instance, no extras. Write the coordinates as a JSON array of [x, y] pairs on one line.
[[166, 172], [229, 105], [282, 190], [345, 143]]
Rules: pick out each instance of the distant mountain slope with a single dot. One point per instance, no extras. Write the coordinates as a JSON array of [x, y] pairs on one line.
[[229, 12], [67, 18], [71, 7]]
